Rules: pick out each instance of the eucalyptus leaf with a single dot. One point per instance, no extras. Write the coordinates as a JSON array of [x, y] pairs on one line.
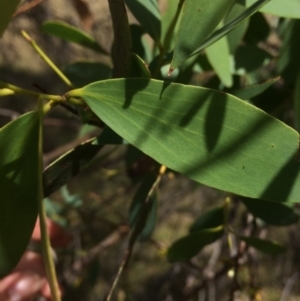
[[19, 189], [273, 213], [187, 247], [265, 246], [7, 8], [207, 135], [72, 34], [198, 21]]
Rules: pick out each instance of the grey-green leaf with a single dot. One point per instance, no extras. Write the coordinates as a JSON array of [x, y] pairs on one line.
[[19, 189], [187, 247], [210, 136], [273, 213], [198, 21], [7, 8], [70, 33], [265, 246]]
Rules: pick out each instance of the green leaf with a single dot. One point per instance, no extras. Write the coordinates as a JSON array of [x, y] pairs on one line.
[[211, 219], [148, 14], [68, 166], [199, 19], [190, 245], [72, 34], [219, 57], [207, 135], [254, 90], [265, 246], [19, 178], [286, 9], [218, 34], [273, 213], [235, 36], [7, 8], [84, 73]]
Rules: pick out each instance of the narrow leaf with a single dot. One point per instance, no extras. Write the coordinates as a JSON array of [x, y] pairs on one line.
[[211, 219], [7, 8], [286, 9], [199, 19], [265, 246], [273, 213], [19, 178], [190, 245], [218, 34], [219, 57], [254, 90], [235, 36], [68, 166], [148, 14], [70, 33], [210, 136]]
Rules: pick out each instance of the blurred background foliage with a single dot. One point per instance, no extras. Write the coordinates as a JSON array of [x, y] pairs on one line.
[[100, 205]]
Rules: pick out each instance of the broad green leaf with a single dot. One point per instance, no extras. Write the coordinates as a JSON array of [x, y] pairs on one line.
[[286, 9], [70, 33], [235, 36], [148, 14], [288, 62], [190, 245], [7, 8], [218, 34], [254, 90], [265, 246], [219, 57], [273, 213], [198, 21], [84, 73], [211, 219], [68, 166], [207, 135], [19, 178]]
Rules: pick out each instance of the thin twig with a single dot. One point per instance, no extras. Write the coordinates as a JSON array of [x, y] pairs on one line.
[[27, 6], [47, 60], [136, 231]]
